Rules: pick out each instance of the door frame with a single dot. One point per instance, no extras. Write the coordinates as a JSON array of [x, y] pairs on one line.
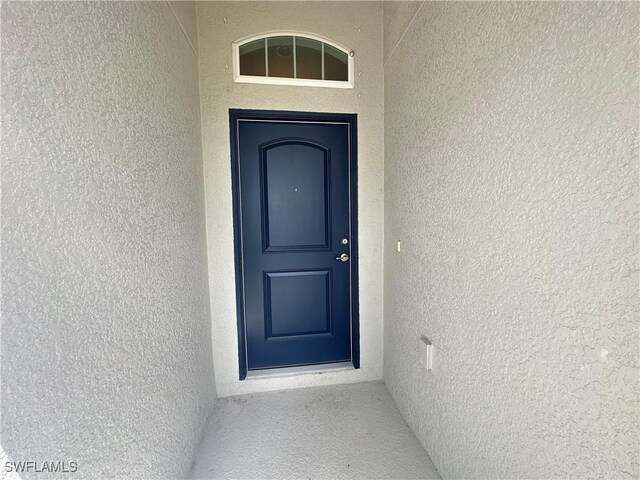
[[351, 119]]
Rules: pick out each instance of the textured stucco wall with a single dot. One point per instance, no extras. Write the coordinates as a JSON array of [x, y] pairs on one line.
[[357, 25], [511, 176], [106, 354]]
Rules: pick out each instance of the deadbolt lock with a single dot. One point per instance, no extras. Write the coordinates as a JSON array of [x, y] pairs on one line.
[[344, 240]]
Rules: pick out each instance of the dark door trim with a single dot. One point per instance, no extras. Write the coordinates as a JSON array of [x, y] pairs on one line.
[[351, 119]]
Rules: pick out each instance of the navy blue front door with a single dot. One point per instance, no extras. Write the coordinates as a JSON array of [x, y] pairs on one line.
[[295, 235]]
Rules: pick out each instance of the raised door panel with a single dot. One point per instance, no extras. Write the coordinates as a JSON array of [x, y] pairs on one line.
[[297, 303], [295, 196]]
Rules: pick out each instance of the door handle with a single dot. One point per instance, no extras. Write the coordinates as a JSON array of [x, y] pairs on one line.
[[343, 258]]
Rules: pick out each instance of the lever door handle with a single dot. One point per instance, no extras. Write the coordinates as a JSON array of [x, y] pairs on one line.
[[343, 258]]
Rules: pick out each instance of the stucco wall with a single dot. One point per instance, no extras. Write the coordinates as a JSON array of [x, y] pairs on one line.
[[511, 177], [106, 356], [357, 25]]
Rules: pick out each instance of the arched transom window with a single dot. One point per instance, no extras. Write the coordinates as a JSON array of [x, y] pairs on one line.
[[288, 58]]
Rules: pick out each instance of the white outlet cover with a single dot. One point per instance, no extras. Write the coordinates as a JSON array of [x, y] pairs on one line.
[[426, 354]]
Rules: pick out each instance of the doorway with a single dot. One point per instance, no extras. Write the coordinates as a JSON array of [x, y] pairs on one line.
[[295, 224]]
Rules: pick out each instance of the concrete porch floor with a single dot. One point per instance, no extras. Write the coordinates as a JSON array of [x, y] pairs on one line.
[[342, 431]]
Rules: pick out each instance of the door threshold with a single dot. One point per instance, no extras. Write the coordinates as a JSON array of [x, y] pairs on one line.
[[299, 370]]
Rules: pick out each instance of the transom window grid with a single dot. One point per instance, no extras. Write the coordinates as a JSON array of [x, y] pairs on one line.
[[292, 58]]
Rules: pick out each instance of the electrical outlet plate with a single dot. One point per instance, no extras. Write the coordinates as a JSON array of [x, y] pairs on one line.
[[426, 353]]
